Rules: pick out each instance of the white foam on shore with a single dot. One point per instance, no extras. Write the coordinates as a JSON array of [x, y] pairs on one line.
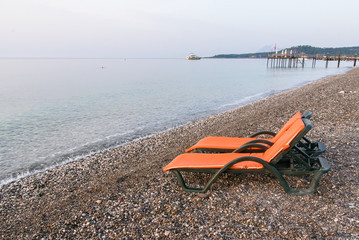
[[248, 100]]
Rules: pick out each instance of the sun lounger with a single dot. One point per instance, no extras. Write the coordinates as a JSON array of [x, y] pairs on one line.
[[296, 163], [230, 144]]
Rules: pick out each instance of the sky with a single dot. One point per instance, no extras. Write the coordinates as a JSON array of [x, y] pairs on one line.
[[171, 28]]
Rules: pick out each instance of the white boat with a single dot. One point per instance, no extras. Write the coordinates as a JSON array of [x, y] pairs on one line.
[[193, 57]]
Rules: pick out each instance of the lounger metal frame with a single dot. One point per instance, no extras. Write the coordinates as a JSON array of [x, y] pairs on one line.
[[292, 161]]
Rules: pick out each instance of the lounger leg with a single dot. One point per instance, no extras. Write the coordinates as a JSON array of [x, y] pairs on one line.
[[225, 168], [325, 167], [270, 168], [182, 183], [312, 187]]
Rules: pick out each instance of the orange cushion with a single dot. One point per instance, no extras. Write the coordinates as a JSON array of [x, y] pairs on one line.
[[284, 141], [235, 142], [287, 126], [208, 160], [220, 143]]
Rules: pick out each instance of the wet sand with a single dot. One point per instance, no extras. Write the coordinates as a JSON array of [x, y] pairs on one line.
[[124, 194]]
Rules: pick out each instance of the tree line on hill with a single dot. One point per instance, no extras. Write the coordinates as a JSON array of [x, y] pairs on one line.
[[299, 50]]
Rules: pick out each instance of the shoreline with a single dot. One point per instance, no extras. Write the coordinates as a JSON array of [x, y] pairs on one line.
[[214, 112], [123, 192], [244, 102]]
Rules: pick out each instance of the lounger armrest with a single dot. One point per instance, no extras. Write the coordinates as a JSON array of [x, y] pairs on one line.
[[263, 133], [251, 146]]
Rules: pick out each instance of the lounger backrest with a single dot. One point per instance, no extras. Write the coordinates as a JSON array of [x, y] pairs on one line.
[[285, 140], [286, 126]]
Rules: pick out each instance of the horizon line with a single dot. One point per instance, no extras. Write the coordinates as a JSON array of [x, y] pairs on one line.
[[91, 58]]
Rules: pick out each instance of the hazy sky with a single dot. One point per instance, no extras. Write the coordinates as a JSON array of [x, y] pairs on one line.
[[171, 28]]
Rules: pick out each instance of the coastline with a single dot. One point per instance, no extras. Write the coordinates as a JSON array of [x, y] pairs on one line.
[[123, 192], [65, 157], [94, 130]]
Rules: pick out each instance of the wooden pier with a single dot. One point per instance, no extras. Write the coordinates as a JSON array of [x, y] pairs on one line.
[[284, 60]]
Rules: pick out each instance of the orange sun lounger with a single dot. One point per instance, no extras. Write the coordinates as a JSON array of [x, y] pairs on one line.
[[268, 161], [229, 144]]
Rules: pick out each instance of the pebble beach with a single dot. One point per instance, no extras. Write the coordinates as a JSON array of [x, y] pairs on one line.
[[123, 193]]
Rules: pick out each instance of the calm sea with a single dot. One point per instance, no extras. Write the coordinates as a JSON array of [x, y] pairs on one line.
[[58, 110]]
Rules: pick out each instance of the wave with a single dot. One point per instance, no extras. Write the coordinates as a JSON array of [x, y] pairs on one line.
[[247, 100], [80, 152]]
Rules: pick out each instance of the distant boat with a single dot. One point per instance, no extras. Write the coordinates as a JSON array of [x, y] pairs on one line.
[[193, 57]]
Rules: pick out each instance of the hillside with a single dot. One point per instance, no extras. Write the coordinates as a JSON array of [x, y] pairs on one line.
[[301, 50]]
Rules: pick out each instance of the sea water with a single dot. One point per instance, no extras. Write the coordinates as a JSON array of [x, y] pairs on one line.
[[54, 111]]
